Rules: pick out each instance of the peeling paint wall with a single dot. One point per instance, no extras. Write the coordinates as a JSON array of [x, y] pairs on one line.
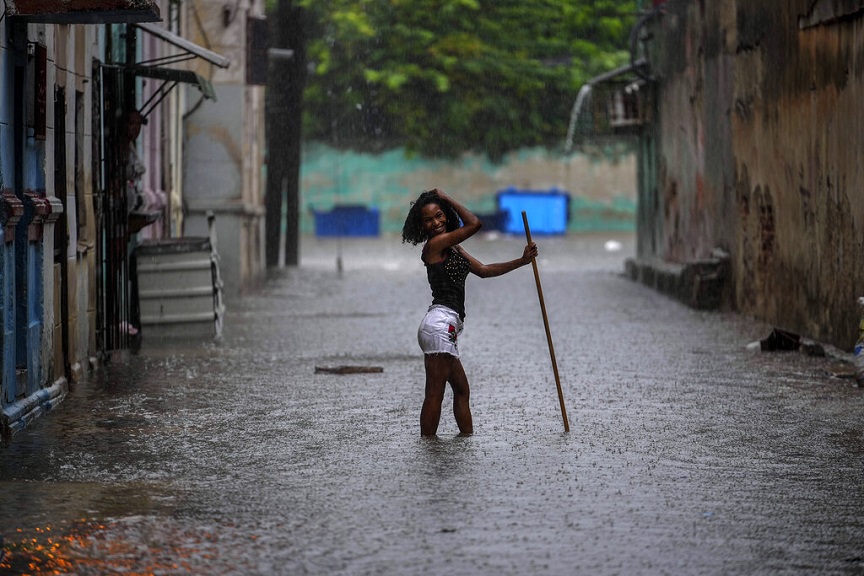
[[760, 131], [693, 136], [45, 170]]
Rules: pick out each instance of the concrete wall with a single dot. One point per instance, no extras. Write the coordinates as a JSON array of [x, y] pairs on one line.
[[220, 167], [224, 145], [602, 184], [759, 132]]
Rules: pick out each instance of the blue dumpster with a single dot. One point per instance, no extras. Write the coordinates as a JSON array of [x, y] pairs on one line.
[[548, 210], [348, 220]]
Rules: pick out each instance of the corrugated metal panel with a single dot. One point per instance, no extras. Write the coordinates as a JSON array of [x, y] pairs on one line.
[[178, 291]]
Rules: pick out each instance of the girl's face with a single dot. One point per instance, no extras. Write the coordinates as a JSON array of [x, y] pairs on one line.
[[433, 219]]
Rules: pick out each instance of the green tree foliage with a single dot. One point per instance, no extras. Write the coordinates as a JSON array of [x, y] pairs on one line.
[[442, 77]]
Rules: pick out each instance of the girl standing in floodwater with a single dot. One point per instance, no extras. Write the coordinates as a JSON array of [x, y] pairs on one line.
[[434, 219]]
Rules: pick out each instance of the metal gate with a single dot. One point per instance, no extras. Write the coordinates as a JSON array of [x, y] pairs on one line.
[[115, 306]]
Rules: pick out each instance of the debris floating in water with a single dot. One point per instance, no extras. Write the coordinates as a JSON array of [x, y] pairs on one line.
[[780, 340], [348, 369]]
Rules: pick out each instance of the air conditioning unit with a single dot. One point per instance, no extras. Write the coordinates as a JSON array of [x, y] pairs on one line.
[[624, 107]]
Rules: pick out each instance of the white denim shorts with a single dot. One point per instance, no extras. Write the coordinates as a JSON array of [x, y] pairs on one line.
[[439, 331]]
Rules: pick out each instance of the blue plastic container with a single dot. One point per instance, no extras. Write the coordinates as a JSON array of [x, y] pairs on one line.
[[548, 210], [347, 221]]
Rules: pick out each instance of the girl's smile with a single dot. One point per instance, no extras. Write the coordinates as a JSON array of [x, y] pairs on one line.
[[434, 220]]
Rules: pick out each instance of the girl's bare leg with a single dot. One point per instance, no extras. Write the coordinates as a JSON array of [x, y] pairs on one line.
[[440, 369], [437, 371], [461, 397]]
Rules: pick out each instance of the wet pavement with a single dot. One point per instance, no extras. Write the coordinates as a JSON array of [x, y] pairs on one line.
[[688, 453]]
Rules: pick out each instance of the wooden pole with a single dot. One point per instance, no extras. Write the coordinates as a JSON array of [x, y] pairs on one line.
[[546, 324]]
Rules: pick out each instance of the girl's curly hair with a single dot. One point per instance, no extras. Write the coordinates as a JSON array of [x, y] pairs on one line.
[[412, 230]]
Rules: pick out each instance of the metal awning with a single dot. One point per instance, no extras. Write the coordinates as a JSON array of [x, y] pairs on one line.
[[83, 11], [189, 49], [172, 75], [170, 78], [156, 68]]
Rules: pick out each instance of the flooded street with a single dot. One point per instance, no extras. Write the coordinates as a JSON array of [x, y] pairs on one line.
[[688, 453]]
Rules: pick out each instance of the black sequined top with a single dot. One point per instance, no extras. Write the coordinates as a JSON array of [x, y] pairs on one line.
[[447, 280]]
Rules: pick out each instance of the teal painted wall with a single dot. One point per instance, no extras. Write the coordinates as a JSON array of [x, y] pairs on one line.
[[602, 185]]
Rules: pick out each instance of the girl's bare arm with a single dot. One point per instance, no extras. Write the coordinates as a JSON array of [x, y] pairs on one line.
[[500, 268]]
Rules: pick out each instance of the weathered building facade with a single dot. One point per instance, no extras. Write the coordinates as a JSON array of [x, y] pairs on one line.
[[751, 144], [48, 170], [75, 76]]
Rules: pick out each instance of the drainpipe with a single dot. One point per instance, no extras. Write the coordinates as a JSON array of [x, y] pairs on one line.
[[640, 65]]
